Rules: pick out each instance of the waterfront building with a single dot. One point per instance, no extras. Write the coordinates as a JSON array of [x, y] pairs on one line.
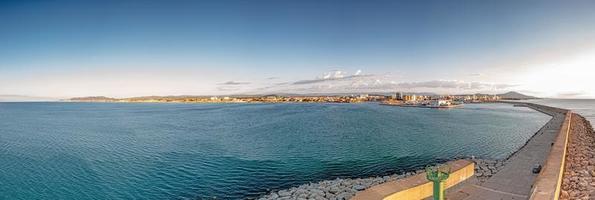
[[440, 102], [410, 98], [407, 98]]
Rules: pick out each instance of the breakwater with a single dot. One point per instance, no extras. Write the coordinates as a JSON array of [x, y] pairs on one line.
[[343, 189], [484, 169], [579, 173]]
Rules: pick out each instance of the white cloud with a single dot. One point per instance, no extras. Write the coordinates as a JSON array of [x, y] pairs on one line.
[[332, 76], [454, 84], [338, 82], [358, 72], [234, 83]]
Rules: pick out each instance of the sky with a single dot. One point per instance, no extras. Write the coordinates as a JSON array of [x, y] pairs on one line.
[[64, 49]]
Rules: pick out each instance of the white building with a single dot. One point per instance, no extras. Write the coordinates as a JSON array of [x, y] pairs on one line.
[[441, 102]]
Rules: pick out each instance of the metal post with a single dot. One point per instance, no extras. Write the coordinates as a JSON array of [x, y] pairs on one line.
[[438, 175], [438, 190]]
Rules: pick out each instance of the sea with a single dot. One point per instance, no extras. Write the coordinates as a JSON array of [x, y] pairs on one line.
[[584, 107], [65, 150]]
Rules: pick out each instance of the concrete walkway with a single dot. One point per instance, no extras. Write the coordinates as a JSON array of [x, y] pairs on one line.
[[515, 179]]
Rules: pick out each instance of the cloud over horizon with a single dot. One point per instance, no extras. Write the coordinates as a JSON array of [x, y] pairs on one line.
[[453, 84], [336, 75], [234, 83], [340, 82]]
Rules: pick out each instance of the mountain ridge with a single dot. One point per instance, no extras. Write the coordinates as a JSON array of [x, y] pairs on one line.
[[512, 95]]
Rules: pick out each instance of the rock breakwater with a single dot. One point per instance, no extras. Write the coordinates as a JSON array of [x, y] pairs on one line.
[[334, 189], [579, 173], [343, 189]]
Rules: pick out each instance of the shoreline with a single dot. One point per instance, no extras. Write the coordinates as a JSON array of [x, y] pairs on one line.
[[422, 106], [346, 188]]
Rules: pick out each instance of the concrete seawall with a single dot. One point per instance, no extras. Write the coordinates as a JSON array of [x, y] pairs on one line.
[[517, 179], [417, 187], [548, 183]]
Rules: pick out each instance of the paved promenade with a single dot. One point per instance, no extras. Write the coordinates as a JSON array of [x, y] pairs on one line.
[[515, 179]]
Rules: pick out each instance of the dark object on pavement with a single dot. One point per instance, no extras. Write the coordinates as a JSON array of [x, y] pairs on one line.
[[537, 169]]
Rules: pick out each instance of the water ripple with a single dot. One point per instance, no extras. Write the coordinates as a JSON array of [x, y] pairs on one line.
[[233, 151]]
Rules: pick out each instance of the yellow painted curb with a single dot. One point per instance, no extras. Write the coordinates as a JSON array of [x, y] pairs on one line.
[[417, 186], [549, 181]]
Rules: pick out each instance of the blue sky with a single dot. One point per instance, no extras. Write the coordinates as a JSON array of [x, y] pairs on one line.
[[132, 48]]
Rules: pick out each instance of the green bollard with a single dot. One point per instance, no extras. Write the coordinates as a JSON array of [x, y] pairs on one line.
[[438, 175]]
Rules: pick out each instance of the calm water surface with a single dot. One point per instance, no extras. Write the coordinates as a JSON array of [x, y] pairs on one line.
[[233, 151], [584, 107]]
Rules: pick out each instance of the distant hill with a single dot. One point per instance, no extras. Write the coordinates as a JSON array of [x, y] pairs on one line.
[[515, 96], [94, 99]]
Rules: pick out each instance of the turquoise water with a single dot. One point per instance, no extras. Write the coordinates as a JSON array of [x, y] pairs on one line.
[[234, 151]]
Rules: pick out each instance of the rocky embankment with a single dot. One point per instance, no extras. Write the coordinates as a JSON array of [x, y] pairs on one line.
[[341, 189], [579, 173], [334, 189], [485, 169]]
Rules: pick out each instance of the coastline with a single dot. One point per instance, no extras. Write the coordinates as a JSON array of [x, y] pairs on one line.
[[421, 106], [347, 188]]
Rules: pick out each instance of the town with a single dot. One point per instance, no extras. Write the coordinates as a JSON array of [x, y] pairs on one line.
[[398, 98]]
